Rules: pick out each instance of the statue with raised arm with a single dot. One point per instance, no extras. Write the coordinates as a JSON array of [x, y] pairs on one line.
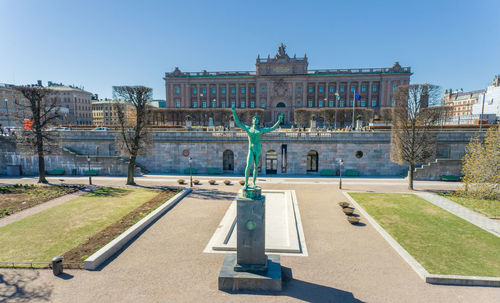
[[254, 146]]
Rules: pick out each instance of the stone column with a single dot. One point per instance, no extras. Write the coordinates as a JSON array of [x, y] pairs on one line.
[[197, 94], [246, 95], [217, 95], [370, 83], [228, 102], [348, 94], [316, 94], [236, 90]]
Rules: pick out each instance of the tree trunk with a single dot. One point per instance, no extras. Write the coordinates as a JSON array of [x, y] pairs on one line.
[[131, 170], [41, 169], [410, 177]]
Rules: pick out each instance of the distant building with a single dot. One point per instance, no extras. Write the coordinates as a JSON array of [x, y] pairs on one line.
[[75, 103], [104, 113], [461, 102], [489, 102], [11, 106], [281, 84], [158, 103]]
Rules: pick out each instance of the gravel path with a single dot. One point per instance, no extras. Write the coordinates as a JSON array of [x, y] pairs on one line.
[[46, 205]]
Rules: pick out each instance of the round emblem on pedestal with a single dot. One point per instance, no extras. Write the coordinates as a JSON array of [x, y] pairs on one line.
[[185, 153], [250, 225]]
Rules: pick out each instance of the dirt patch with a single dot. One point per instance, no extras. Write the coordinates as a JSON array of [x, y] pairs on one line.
[[18, 197], [79, 253]]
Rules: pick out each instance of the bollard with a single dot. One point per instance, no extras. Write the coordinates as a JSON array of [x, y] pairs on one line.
[[57, 266]]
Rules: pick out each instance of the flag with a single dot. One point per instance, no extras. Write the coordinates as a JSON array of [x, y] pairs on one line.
[[357, 96]]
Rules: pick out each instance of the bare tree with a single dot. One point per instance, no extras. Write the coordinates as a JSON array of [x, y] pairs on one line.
[[133, 136], [41, 113], [411, 139]]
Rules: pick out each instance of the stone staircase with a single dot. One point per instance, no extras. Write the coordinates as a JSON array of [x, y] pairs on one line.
[[435, 169]]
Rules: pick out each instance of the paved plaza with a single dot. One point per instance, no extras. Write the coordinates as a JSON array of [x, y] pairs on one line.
[[166, 263]]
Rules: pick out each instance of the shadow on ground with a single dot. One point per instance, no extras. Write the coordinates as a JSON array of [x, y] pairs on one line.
[[20, 286], [305, 291], [212, 194]]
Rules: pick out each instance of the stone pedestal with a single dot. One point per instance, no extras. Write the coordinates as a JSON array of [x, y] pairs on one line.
[[230, 280], [250, 268], [251, 236]]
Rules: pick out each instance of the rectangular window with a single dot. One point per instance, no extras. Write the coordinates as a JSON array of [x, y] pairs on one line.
[[263, 104], [393, 102], [394, 86], [374, 88], [233, 103], [374, 102], [214, 104], [252, 90], [310, 89], [177, 91], [331, 104], [242, 104], [204, 104], [233, 90], [242, 90], [178, 104], [214, 91], [252, 104], [299, 103], [321, 90], [223, 90], [363, 103], [223, 104], [263, 89], [353, 88], [342, 88], [332, 89], [194, 90], [195, 104], [320, 103], [310, 103], [341, 103], [204, 90], [363, 88], [298, 89], [351, 103]]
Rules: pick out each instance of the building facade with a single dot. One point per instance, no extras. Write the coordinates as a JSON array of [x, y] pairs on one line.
[[11, 106], [461, 102], [104, 113], [282, 84], [489, 102], [75, 103]]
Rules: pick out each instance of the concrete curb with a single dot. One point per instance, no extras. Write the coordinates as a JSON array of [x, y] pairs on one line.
[[99, 257], [417, 267]]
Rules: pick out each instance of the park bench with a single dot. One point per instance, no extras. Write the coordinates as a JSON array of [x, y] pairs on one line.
[[55, 172]]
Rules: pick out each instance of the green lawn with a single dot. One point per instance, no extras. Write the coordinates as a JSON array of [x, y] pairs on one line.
[[441, 242], [40, 237], [486, 207]]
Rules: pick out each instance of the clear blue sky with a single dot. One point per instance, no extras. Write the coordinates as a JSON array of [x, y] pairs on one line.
[[98, 44]]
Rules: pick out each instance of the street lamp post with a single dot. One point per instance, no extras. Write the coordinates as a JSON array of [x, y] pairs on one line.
[[341, 164], [190, 172], [90, 175]]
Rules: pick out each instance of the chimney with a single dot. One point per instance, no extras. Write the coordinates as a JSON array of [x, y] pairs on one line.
[[39, 82]]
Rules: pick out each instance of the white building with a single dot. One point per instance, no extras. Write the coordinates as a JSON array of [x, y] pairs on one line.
[[489, 102]]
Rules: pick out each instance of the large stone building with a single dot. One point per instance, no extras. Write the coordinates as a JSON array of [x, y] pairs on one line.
[[11, 104], [489, 102], [282, 84], [75, 103], [461, 102], [104, 113]]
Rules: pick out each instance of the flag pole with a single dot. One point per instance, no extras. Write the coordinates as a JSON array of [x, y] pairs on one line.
[[353, 103]]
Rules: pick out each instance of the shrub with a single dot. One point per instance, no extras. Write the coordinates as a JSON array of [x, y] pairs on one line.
[[242, 182], [180, 181], [196, 182], [212, 182], [227, 182]]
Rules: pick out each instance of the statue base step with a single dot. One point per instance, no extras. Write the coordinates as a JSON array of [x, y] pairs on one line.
[[231, 280]]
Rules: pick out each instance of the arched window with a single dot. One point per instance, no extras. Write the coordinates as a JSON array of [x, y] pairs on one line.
[[271, 162], [281, 104], [228, 160], [312, 161]]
